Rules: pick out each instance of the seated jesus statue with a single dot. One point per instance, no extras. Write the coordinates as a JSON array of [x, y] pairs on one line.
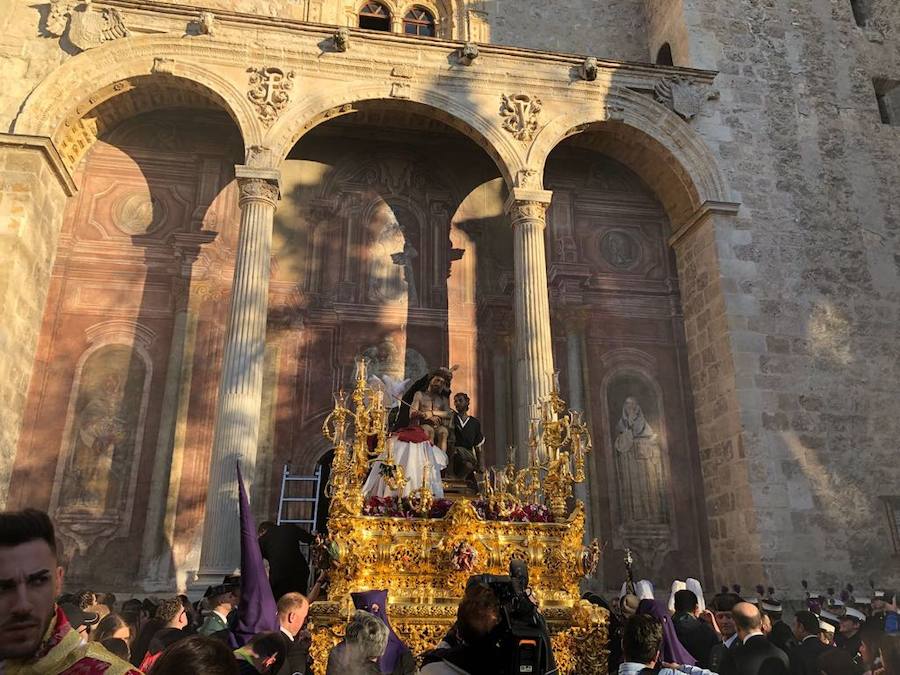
[[420, 447]]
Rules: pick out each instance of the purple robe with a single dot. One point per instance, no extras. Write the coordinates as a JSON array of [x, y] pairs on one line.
[[375, 602], [671, 648]]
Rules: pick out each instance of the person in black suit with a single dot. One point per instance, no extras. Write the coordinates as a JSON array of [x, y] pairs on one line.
[[721, 607], [754, 655], [698, 637], [280, 546], [781, 636], [804, 657], [848, 638], [467, 440]]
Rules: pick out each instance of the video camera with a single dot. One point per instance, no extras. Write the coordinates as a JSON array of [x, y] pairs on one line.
[[522, 635]]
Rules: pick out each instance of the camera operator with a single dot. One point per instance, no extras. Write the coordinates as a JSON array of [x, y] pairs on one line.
[[498, 631]]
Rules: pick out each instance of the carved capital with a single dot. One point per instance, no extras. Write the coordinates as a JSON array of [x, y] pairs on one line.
[[258, 190], [531, 212]]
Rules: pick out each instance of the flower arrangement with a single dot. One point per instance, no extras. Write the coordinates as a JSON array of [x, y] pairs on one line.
[[463, 557], [520, 513]]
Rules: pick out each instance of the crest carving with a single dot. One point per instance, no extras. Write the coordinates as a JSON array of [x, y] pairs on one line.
[[684, 97], [85, 26], [521, 115], [270, 91]]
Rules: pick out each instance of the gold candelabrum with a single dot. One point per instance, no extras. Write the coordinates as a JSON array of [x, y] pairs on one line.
[[368, 418], [558, 442]]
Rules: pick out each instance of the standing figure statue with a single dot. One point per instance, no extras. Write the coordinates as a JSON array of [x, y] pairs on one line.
[[639, 464], [466, 459]]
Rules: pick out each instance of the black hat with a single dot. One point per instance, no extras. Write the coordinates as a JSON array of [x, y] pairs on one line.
[[78, 617]]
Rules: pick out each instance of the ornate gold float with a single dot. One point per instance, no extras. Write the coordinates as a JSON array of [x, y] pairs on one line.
[[424, 561]]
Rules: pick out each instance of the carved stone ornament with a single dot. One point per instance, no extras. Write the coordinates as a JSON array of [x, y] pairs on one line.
[[163, 65], [527, 178], [270, 91], [257, 189], [527, 211], [468, 53], [400, 90], [207, 24], [589, 69], [341, 39], [521, 113], [684, 97], [87, 27]]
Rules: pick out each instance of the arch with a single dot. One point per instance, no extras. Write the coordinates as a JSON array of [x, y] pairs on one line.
[[135, 61], [664, 55], [653, 142], [375, 15], [442, 11], [463, 117], [418, 20]]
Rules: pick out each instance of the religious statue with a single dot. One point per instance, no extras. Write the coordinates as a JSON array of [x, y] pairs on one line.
[[418, 440], [466, 459], [640, 467]]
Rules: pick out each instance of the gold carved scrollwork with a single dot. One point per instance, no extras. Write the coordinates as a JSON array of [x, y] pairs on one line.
[[258, 189]]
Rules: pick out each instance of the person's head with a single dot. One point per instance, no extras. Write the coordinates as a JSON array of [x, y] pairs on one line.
[[478, 613], [721, 607], [849, 625], [686, 601], [437, 383], [890, 654], [641, 639], [224, 598], [367, 635], [30, 580], [267, 651], [890, 601], [747, 619], [171, 613], [805, 624], [766, 623], [870, 643], [107, 599], [85, 599], [826, 633], [461, 403], [878, 603], [117, 647], [836, 662], [629, 605], [264, 527], [111, 626], [196, 655], [292, 611]]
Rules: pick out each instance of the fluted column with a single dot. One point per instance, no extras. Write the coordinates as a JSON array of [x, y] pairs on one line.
[[240, 388], [574, 322], [533, 346]]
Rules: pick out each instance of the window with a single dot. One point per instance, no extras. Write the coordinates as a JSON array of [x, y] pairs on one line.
[[375, 16], [418, 21], [887, 94], [861, 11], [664, 55]]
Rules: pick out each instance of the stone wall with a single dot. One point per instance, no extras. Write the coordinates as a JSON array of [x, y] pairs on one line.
[[33, 195], [810, 274]]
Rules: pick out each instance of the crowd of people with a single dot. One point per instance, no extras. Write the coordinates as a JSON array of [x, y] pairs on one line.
[[46, 632]]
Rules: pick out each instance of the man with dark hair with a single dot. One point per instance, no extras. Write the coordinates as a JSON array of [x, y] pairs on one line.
[[641, 644], [468, 644], [263, 654], [221, 600], [698, 637], [754, 655], [804, 657], [467, 440], [848, 634], [781, 634], [280, 546], [721, 607], [172, 616], [35, 635]]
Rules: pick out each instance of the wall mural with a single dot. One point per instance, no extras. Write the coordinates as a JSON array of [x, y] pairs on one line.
[[103, 430]]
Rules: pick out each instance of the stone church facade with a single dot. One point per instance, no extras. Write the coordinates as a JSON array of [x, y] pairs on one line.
[[688, 208]]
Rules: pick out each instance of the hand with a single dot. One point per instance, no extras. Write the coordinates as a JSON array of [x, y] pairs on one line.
[[673, 666]]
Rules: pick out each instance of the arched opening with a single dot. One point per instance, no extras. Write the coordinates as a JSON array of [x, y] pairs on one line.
[[419, 21], [619, 341], [664, 55], [155, 165], [379, 248], [375, 16]]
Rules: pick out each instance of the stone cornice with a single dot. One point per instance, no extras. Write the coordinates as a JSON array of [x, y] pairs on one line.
[[625, 73], [708, 208], [48, 149]]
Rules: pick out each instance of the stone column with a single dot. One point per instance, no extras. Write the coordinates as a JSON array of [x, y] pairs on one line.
[[240, 388], [533, 346], [574, 323], [499, 361]]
